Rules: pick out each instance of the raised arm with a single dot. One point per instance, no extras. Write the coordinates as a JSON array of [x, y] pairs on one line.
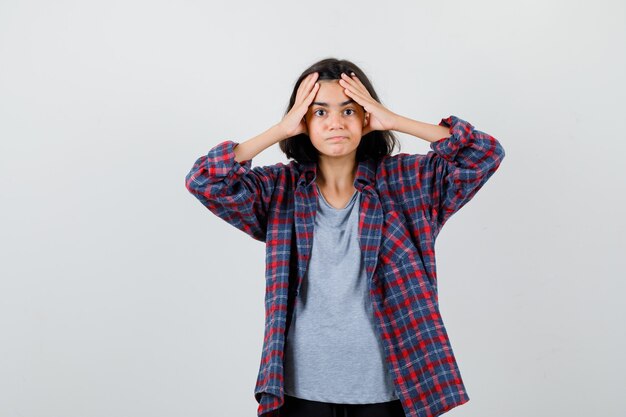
[[232, 189], [461, 160], [225, 182], [252, 147], [449, 175]]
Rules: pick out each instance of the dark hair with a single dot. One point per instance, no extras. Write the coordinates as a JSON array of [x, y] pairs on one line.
[[373, 145]]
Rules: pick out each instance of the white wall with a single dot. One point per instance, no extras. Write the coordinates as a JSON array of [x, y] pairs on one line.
[[121, 295]]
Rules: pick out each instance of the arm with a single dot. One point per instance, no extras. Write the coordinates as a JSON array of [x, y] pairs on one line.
[[460, 162], [225, 183], [426, 131], [252, 147]]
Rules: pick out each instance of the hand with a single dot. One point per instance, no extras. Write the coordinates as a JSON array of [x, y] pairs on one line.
[[294, 123], [380, 118]]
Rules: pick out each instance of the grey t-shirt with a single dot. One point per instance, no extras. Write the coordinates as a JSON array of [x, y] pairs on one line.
[[333, 352]]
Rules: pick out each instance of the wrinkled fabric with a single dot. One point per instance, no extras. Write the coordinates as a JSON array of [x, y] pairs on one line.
[[405, 201]]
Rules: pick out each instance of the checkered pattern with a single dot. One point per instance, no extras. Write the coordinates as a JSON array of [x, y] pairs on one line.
[[405, 200]]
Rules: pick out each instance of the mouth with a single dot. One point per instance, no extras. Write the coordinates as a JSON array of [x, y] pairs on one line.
[[337, 138]]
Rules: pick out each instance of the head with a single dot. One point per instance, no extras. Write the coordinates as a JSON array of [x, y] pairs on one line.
[[332, 113]]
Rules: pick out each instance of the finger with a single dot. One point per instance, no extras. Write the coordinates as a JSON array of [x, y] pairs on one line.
[[309, 98], [357, 80], [346, 78], [305, 86], [353, 85], [311, 95], [361, 87], [357, 96], [309, 80]]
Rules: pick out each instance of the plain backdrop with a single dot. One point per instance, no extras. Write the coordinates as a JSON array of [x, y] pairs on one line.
[[122, 296]]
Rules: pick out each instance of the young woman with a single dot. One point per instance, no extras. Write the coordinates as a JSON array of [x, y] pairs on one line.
[[352, 314]]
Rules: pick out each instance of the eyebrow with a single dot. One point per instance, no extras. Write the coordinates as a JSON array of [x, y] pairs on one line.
[[319, 103]]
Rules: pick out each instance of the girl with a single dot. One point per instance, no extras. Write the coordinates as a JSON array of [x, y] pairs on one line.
[[352, 314]]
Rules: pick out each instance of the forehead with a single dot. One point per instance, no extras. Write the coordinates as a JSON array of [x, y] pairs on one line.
[[330, 92]]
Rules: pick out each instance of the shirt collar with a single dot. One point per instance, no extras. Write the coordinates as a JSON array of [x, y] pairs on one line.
[[365, 173]]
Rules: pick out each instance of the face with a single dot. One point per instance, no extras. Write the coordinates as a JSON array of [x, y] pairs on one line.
[[332, 114]]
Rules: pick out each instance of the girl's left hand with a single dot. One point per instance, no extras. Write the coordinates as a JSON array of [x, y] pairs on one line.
[[380, 118]]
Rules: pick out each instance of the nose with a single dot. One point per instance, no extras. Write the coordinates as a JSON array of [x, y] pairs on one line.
[[335, 121]]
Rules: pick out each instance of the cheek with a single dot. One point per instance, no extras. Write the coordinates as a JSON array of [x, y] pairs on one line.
[[313, 125]]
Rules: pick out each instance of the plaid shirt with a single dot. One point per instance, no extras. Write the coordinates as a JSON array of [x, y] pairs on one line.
[[405, 200]]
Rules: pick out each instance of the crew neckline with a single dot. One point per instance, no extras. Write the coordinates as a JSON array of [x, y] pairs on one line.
[[348, 204]]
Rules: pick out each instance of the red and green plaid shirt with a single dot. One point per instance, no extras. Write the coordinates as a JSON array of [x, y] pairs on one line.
[[405, 200]]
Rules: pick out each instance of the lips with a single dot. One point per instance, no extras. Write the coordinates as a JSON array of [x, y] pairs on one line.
[[337, 138]]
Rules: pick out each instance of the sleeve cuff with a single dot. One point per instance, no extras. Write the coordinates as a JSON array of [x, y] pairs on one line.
[[221, 161], [460, 130]]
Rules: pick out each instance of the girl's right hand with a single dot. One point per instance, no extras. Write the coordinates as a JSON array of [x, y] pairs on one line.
[[294, 123]]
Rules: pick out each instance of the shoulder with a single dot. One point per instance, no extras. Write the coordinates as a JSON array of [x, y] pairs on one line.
[[399, 164], [399, 175], [281, 172]]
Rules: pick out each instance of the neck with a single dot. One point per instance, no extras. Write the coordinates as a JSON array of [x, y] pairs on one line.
[[336, 173]]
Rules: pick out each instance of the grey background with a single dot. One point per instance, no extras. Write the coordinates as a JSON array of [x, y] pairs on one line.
[[121, 295]]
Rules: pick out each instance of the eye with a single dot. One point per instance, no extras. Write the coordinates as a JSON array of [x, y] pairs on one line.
[[348, 110]]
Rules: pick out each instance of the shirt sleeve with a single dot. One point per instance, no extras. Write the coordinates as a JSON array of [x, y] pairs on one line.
[[234, 191], [449, 175]]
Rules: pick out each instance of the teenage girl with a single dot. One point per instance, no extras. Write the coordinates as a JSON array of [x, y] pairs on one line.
[[353, 344]]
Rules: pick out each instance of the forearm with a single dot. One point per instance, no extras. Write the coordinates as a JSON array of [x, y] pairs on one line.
[[426, 131], [254, 146]]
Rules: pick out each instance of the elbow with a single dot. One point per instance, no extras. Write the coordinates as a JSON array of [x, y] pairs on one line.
[[500, 153], [190, 183], [495, 149]]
